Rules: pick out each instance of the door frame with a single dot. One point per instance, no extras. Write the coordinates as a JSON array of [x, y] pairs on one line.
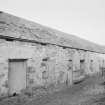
[[16, 59]]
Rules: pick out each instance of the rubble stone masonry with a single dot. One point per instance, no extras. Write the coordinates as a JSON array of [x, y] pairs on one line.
[[46, 64]]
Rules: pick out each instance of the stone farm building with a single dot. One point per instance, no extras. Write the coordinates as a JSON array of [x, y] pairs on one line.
[[32, 55]]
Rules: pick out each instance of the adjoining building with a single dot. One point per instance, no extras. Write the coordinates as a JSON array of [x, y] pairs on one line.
[[32, 55]]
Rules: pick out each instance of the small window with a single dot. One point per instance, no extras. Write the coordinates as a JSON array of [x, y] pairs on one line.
[[45, 59], [70, 60], [91, 60], [82, 61]]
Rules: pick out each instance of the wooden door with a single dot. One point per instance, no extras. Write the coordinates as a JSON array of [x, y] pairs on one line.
[[17, 75]]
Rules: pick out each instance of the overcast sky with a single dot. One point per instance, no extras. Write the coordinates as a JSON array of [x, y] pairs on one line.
[[84, 18]]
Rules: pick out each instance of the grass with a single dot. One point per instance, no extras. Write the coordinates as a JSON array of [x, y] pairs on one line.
[[75, 95]]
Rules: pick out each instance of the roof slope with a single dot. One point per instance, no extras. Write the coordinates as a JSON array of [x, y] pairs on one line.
[[17, 27]]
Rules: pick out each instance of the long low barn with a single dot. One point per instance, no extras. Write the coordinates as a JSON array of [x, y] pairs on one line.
[[32, 55]]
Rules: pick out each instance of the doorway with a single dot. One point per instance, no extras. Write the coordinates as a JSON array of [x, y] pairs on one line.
[[70, 73], [82, 67], [16, 75]]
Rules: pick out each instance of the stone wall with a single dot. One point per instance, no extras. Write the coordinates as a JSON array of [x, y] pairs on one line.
[[47, 64], [3, 76]]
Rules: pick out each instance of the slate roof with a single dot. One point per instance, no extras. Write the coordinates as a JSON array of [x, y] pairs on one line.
[[16, 27]]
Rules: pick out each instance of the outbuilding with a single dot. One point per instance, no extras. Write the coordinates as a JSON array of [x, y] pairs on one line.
[[32, 55]]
